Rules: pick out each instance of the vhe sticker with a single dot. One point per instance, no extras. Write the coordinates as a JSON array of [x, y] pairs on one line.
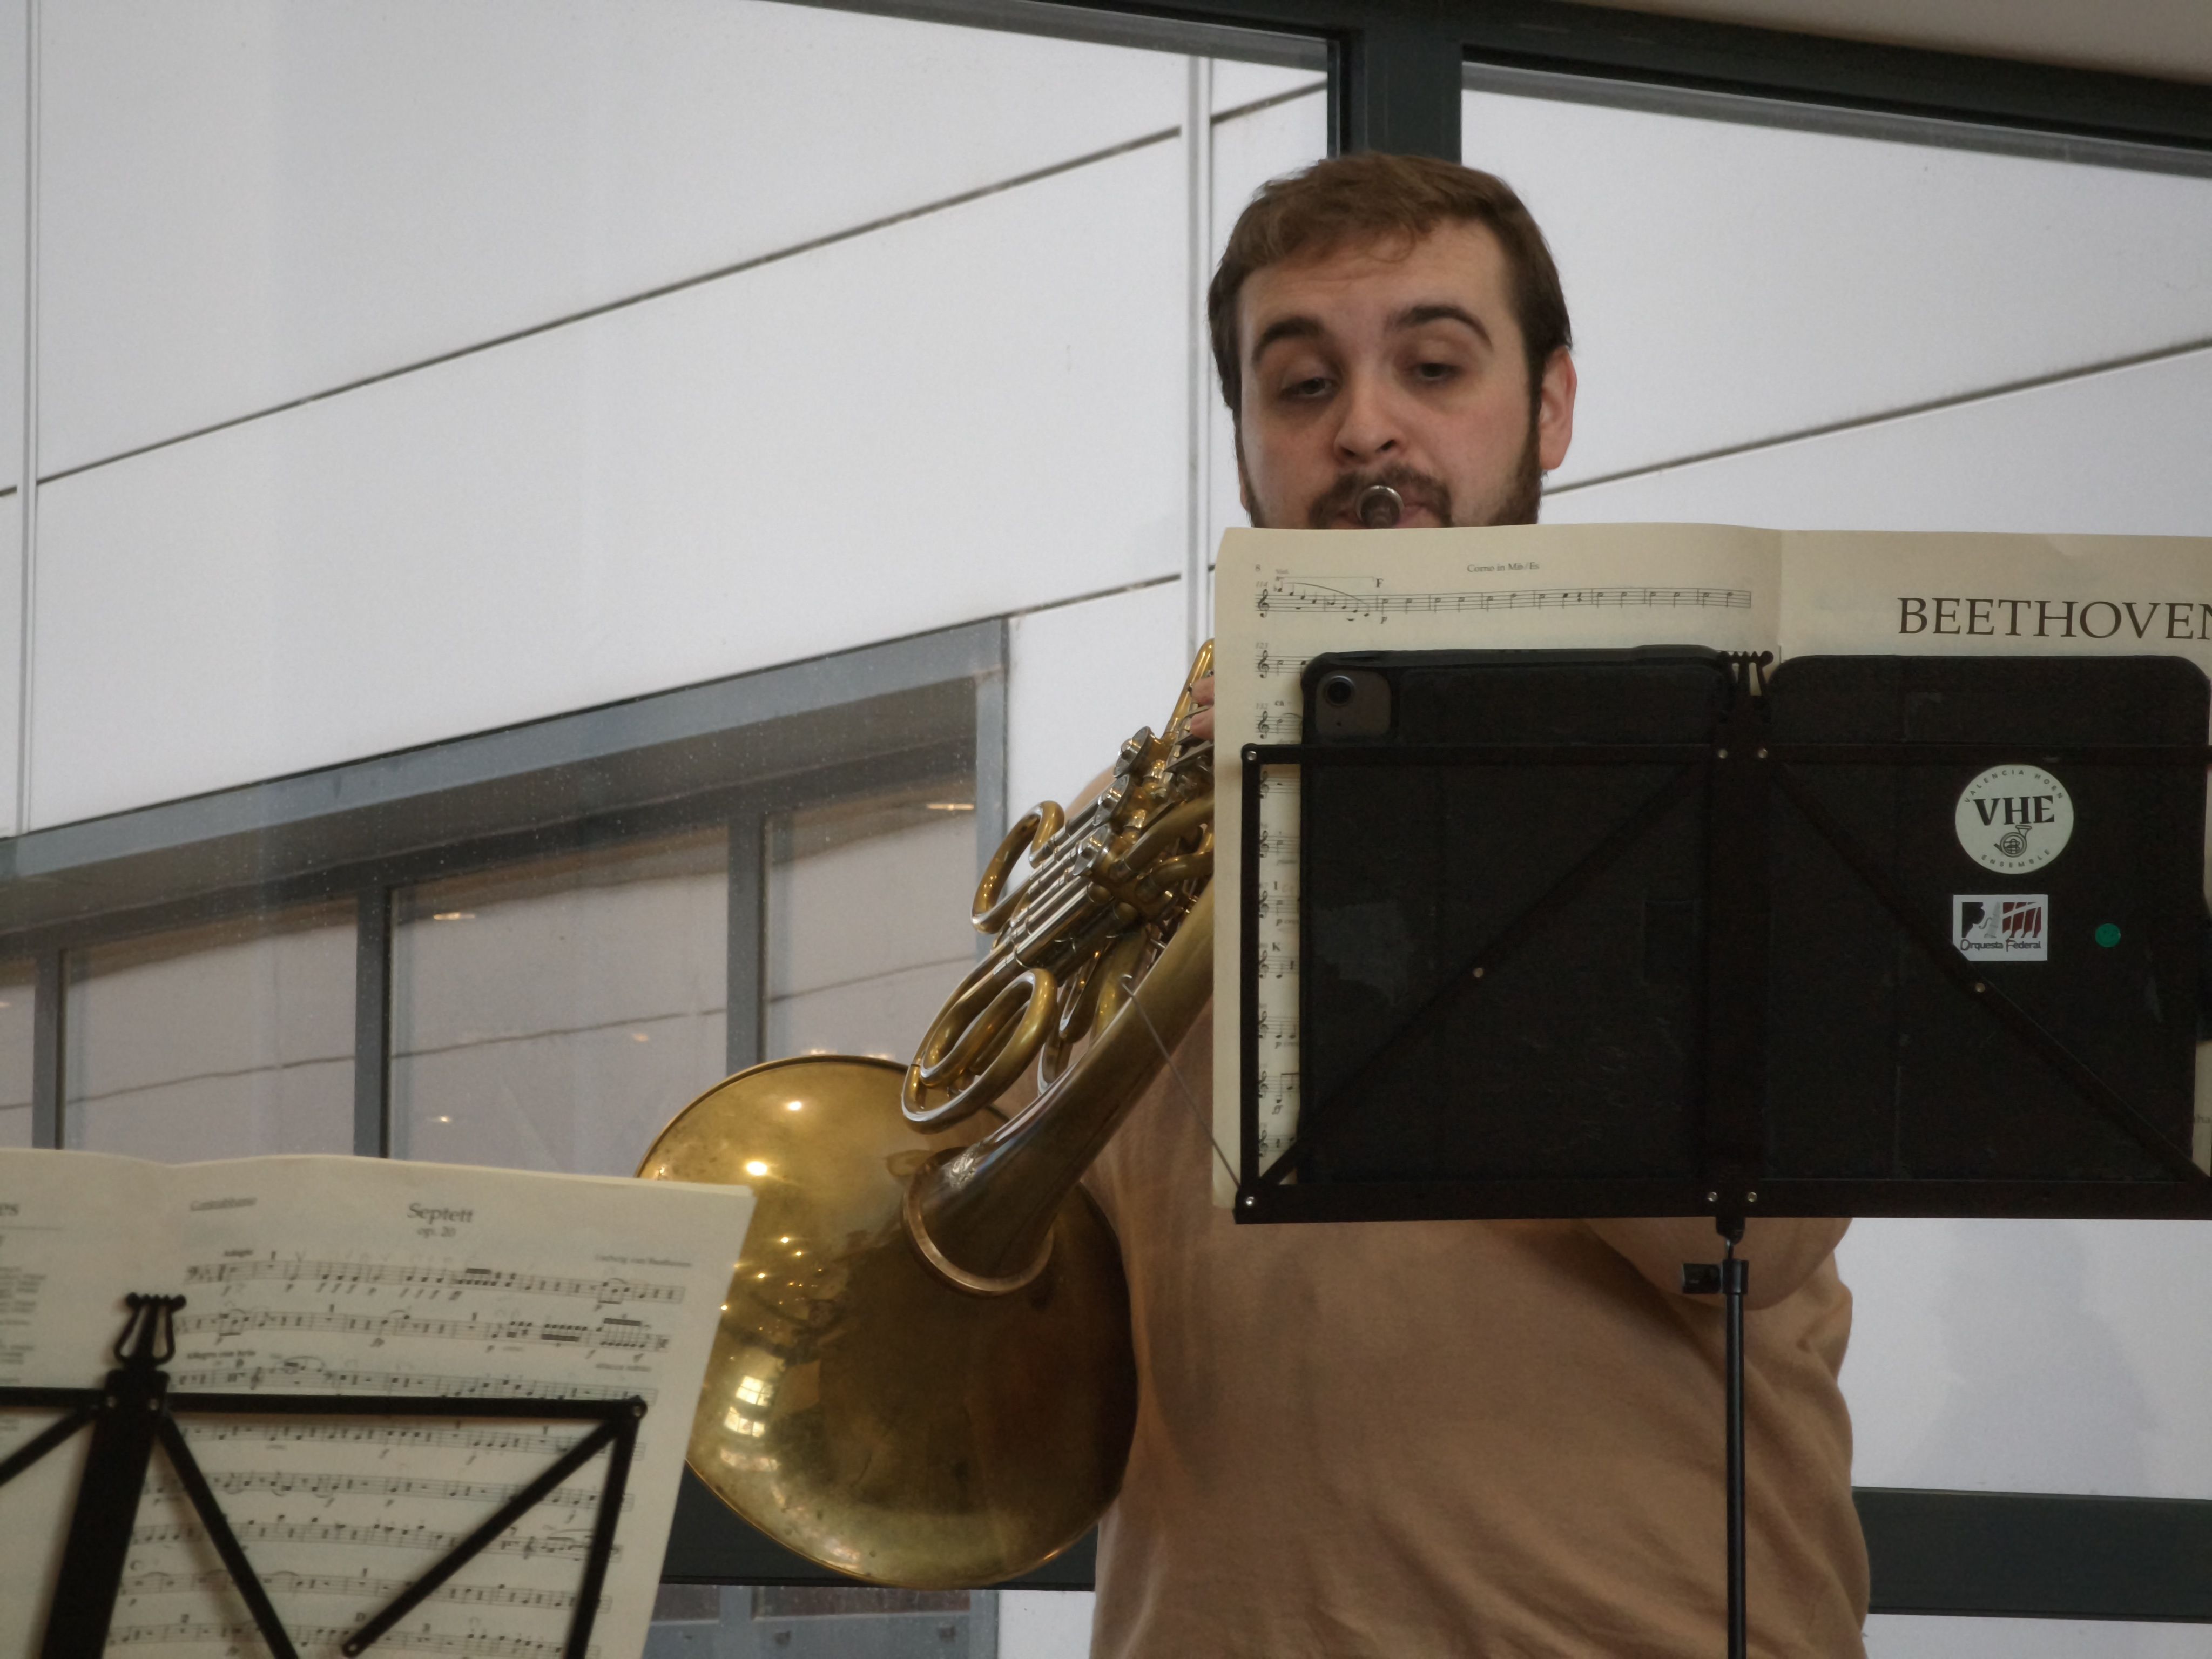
[[2002, 927], [2013, 818]]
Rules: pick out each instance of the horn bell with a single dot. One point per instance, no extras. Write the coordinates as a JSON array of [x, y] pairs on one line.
[[862, 1409]]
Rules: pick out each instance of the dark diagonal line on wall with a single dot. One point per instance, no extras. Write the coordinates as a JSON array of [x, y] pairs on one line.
[[662, 292], [1934, 405]]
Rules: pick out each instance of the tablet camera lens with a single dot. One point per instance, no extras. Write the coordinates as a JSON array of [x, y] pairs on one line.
[[1337, 690]]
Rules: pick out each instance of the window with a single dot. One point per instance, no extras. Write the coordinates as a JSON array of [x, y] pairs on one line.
[[868, 920], [18, 986], [553, 1014], [220, 1041]]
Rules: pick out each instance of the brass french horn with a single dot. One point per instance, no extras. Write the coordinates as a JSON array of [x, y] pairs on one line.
[[923, 1375]]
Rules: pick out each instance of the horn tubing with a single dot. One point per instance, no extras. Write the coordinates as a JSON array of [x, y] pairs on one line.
[[989, 1209]]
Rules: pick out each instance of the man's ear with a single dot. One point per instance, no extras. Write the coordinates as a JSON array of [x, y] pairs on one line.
[[1555, 410], [1243, 478]]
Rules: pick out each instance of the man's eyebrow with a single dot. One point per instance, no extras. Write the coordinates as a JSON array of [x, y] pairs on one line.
[[1286, 328], [1440, 311]]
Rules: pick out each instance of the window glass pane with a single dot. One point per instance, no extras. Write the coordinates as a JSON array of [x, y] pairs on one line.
[[218, 1041], [17, 983], [555, 1014], [868, 921], [1714, 267]]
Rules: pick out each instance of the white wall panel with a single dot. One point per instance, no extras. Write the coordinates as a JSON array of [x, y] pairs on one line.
[[13, 86], [1044, 1624], [1082, 678], [248, 201], [967, 413], [1248, 151], [11, 660], [1731, 284], [2030, 1356], [13, 58], [1889, 1636], [2127, 452], [1235, 85]]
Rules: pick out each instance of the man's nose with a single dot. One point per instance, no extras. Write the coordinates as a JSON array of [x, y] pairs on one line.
[[1369, 428]]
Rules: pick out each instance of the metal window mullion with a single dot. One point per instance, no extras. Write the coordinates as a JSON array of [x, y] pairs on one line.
[[993, 808], [49, 1025], [372, 1025], [745, 1005], [1198, 229], [1394, 86]]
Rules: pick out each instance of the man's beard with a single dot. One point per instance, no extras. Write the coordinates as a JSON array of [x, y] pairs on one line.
[[1421, 489]]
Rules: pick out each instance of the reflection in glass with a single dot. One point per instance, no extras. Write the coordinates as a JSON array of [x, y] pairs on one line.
[[18, 980], [556, 1014], [224, 1040], [868, 920]]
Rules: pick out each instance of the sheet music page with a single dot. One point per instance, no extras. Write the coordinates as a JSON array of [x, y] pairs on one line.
[[1283, 596], [361, 1276]]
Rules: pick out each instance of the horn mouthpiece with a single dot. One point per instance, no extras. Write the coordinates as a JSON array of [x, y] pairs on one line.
[[1380, 508]]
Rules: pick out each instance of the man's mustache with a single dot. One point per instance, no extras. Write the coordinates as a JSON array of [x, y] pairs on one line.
[[1418, 490]]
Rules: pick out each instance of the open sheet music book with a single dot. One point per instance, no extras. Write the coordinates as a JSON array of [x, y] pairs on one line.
[[1281, 597], [359, 1276]]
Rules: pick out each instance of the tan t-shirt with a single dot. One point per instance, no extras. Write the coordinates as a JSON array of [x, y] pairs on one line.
[[1493, 1438]]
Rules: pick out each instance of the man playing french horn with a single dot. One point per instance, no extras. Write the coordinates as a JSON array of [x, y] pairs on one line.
[[937, 1365], [1442, 1438]]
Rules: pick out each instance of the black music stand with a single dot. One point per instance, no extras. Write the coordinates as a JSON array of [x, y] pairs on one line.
[[133, 1411], [1591, 934]]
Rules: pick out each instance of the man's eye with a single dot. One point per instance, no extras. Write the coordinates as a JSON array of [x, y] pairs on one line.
[[1436, 373], [1314, 386]]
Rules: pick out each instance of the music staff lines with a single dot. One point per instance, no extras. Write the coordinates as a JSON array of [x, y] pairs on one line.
[[244, 1638], [609, 1333], [377, 1590], [604, 1290], [547, 1442], [323, 1483], [1316, 596], [297, 1376], [363, 1534]]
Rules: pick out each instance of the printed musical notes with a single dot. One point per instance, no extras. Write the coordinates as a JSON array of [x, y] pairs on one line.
[[328, 1484], [1380, 604], [198, 1585], [451, 1281], [542, 1442], [372, 1534], [304, 1374], [607, 1333], [237, 1637]]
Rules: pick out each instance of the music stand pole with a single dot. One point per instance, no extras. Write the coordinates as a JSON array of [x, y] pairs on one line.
[[1736, 1280], [1730, 1279]]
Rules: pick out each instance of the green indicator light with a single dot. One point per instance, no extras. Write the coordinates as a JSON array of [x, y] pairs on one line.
[[2108, 935]]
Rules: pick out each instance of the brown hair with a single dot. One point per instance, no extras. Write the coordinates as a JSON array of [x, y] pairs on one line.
[[1360, 199]]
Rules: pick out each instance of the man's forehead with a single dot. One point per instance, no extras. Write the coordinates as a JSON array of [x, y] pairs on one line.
[[1366, 280]]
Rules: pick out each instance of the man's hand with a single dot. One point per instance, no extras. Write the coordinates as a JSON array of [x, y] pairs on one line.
[[1201, 693]]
